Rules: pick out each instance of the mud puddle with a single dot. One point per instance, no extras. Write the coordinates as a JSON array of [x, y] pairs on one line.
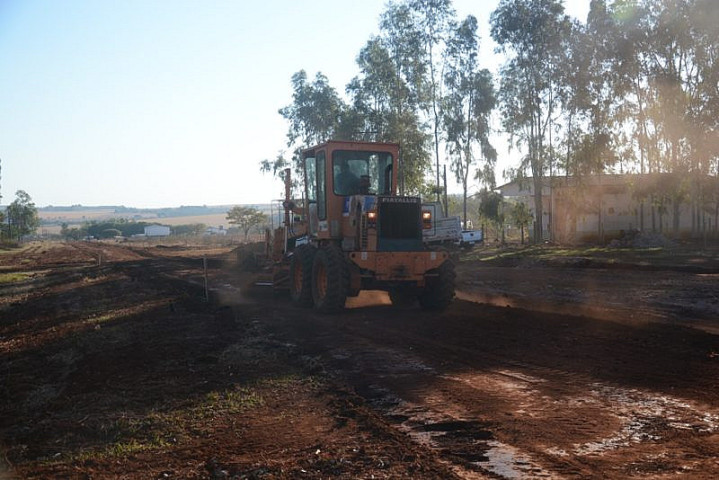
[[644, 417], [467, 444], [591, 421]]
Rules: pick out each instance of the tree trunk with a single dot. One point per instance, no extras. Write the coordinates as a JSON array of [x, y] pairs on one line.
[[641, 216], [436, 146], [600, 216], [654, 216], [538, 215], [464, 205], [661, 218]]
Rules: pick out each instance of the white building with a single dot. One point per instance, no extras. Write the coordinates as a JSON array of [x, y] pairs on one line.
[[600, 207], [216, 231], [157, 231]]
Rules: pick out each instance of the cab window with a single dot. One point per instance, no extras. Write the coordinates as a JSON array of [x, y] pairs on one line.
[[366, 173], [321, 187]]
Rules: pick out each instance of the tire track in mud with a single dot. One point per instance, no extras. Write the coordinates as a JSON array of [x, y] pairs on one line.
[[491, 415]]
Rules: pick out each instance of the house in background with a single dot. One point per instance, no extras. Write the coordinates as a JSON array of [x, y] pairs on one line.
[[216, 230], [157, 231], [602, 207]]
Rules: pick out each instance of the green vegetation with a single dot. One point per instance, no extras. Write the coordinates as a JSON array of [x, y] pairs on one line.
[[246, 218], [681, 257], [127, 434], [13, 277], [110, 233], [123, 227], [127, 228], [21, 216], [631, 88], [189, 229], [522, 217]]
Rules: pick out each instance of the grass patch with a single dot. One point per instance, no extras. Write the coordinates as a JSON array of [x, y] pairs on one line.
[[548, 253], [227, 402], [128, 435], [159, 430], [13, 277]]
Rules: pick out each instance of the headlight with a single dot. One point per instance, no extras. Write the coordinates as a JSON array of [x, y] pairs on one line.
[[426, 219]]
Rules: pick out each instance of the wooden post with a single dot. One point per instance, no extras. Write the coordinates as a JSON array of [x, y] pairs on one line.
[[204, 266]]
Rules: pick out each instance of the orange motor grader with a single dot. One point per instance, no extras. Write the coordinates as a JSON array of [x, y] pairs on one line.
[[352, 232]]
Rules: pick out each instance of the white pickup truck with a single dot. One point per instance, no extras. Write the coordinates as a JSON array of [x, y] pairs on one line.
[[470, 238], [446, 231]]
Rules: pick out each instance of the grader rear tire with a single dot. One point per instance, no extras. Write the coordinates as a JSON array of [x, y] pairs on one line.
[[439, 291], [330, 279], [301, 275]]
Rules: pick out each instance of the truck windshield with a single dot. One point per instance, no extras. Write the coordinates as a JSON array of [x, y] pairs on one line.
[[367, 173]]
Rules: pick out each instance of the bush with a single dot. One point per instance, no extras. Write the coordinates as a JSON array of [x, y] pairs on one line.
[[110, 233]]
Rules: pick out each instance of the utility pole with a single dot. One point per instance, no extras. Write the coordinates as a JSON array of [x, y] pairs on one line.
[[446, 205]]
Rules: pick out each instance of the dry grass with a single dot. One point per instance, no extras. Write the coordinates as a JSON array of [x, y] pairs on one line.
[[71, 216], [214, 220]]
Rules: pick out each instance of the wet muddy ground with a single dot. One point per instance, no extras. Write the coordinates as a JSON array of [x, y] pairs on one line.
[[115, 366]]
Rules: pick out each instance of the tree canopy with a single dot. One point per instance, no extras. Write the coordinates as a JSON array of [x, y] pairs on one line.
[[634, 87], [22, 216], [246, 218]]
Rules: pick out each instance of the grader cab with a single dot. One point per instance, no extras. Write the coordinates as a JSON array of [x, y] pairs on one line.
[[352, 232]]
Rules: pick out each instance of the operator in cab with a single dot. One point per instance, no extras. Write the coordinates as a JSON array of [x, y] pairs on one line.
[[346, 182]]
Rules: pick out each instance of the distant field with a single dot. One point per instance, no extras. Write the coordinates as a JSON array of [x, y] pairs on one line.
[[78, 216], [75, 218], [214, 220]]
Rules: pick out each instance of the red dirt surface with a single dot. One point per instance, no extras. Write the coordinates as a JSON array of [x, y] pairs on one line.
[[115, 366]]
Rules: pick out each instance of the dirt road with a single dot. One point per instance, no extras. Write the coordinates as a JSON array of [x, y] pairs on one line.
[[123, 371]]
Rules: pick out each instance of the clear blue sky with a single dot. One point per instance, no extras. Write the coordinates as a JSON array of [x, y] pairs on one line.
[[168, 102]]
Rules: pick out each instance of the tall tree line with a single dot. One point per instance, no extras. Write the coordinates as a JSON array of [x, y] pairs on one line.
[[419, 83], [634, 87]]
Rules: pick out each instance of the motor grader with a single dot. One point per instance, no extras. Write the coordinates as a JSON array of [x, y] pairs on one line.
[[352, 232]]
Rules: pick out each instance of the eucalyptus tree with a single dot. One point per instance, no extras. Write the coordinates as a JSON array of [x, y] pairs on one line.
[[466, 108], [592, 98], [532, 33], [703, 107], [400, 35], [381, 112], [387, 93], [434, 19], [22, 216], [277, 168], [313, 116], [680, 55], [631, 35], [604, 93], [314, 112], [374, 90]]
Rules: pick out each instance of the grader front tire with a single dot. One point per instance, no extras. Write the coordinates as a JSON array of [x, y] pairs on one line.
[[439, 291], [330, 279], [301, 275]]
